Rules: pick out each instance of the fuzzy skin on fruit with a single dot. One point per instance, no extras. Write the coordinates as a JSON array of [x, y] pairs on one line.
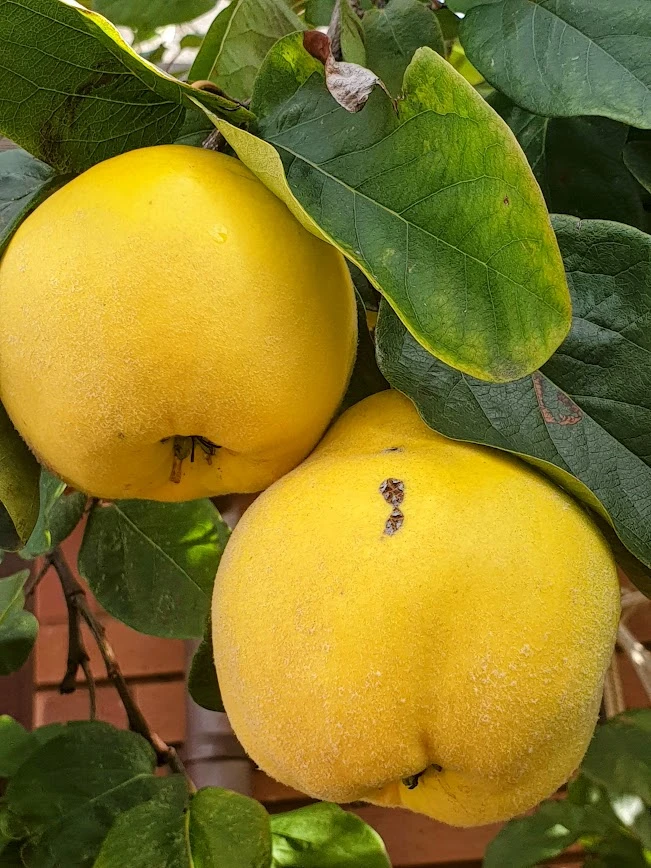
[[167, 292], [469, 644]]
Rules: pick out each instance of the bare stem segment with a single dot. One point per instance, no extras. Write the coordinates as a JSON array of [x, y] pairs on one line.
[[78, 610]]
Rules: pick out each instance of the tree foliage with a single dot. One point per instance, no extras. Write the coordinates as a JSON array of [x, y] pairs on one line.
[[430, 146]]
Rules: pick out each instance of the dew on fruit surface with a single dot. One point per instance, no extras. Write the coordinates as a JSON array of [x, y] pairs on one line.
[[218, 233]]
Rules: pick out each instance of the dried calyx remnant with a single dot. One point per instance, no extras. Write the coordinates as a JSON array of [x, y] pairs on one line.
[[185, 447], [411, 782], [393, 491]]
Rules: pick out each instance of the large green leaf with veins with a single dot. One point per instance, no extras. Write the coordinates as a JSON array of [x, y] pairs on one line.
[[73, 93], [436, 204], [560, 58], [579, 163], [238, 40], [584, 417], [145, 15]]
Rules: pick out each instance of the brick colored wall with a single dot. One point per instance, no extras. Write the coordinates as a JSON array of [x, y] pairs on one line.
[[154, 668]]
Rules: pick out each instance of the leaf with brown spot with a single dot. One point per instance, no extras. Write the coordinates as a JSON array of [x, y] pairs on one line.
[[413, 194], [350, 84]]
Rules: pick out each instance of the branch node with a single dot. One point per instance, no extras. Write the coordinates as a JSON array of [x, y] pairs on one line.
[[78, 610]]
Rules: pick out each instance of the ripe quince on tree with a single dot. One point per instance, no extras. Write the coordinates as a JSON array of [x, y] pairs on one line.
[[410, 620], [171, 331]]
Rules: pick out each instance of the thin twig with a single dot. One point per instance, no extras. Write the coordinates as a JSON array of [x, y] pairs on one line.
[[632, 601], [637, 654], [77, 654], [92, 693], [614, 702], [73, 590], [35, 579], [214, 141], [334, 30]]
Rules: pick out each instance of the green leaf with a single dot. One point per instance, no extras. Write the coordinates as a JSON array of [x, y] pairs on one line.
[[624, 813], [555, 826], [152, 834], [585, 415], [191, 40], [24, 184], [14, 739], [619, 756], [11, 857], [351, 35], [366, 378], [12, 830], [202, 681], [19, 749], [637, 156], [19, 481], [319, 12], [73, 93], [70, 791], [582, 791], [58, 516], [437, 206], [152, 565], [449, 23], [150, 14], [561, 58], [195, 130], [212, 44], [619, 852], [237, 42], [227, 829], [394, 33], [18, 628], [325, 836], [578, 163], [156, 54]]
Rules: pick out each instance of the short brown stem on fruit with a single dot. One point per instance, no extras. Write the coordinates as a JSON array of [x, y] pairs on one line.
[[185, 447], [411, 782], [180, 451]]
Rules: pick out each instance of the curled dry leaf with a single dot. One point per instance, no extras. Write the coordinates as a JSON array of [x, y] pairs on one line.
[[350, 84]]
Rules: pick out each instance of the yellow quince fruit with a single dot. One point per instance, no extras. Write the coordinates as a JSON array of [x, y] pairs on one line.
[[414, 621], [170, 330]]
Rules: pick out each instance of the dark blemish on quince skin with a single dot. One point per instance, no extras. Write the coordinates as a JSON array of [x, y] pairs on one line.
[[393, 491]]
